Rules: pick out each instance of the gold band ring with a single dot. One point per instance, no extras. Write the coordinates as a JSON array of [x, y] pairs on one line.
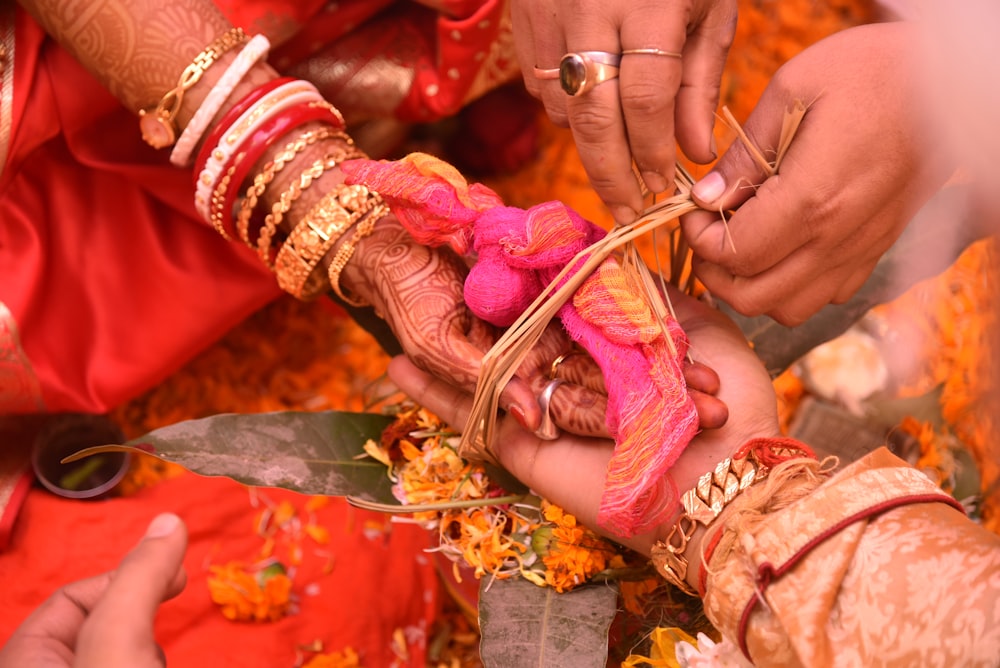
[[652, 52], [555, 365]]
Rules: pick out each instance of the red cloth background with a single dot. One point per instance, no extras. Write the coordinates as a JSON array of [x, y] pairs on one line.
[[380, 581]]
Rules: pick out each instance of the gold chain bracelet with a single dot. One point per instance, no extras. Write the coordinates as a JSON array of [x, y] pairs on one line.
[[711, 495], [702, 504], [159, 125]]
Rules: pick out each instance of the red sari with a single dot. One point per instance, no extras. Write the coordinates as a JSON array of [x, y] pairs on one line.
[[108, 279]]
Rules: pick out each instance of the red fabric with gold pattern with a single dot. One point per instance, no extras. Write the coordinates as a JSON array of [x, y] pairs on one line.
[[107, 271]]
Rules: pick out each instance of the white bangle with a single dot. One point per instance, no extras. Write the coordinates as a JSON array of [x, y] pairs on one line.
[[256, 49], [281, 98]]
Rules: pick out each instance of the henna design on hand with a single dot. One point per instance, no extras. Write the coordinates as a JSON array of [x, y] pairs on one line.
[[418, 291], [138, 48]]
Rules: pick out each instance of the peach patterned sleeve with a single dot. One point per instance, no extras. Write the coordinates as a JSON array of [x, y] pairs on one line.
[[874, 567]]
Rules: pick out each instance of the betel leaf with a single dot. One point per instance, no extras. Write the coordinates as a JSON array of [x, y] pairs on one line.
[[309, 452], [528, 626]]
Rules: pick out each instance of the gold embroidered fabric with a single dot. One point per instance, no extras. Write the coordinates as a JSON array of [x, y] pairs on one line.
[[20, 391], [917, 585]]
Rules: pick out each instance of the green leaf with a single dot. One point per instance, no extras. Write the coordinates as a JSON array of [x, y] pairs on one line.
[[309, 452], [525, 625]]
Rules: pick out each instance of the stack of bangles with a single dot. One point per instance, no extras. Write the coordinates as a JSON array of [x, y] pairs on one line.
[[231, 176]]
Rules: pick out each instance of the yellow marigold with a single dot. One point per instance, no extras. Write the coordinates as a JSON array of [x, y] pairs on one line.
[[250, 597]]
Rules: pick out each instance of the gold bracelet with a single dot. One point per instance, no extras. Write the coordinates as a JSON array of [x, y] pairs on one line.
[[217, 215], [316, 234], [284, 203], [702, 504], [713, 493], [158, 125], [263, 179], [346, 251]]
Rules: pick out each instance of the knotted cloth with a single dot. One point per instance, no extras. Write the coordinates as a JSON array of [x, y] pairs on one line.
[[517, 254]]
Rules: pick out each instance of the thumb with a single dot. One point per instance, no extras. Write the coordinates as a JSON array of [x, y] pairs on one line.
[[121, 625], [739, 171]]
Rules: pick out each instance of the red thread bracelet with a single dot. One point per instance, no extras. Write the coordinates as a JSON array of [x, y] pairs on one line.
[[238, 169]]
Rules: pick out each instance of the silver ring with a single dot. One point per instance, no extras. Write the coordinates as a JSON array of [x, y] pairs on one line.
[[582, 70], [546, 74], [652, 52], [547, 429]]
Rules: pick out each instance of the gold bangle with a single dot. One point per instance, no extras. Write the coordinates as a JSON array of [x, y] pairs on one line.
[[287, 198], [270, 170], [215, 206], [316, 234], [158, 125], [346, 251]]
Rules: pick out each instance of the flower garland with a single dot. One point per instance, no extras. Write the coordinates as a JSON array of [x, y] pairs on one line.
[[478, 523]]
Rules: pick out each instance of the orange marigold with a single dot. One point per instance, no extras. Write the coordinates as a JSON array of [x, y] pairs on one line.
[[250, 597], [573, 553], [345, 659]]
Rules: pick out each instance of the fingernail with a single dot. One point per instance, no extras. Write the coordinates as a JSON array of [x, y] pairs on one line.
[[709, 188], [518, 414], [654, 182], [162, 525], [624, 214]]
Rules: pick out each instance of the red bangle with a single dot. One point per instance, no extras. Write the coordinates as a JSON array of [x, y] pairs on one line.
[[214, 136], [236, 172]]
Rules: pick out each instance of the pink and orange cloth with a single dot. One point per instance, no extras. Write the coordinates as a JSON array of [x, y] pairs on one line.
[[517, 253]]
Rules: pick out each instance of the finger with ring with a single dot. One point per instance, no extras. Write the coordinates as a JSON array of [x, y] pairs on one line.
[[548, 430]]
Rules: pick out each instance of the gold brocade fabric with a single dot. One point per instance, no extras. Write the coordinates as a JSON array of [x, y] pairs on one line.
[[19, 388], [916, 585], [368, 82]]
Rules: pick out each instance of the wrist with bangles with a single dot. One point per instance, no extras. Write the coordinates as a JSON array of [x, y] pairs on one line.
[[678, 556], [266, 170]]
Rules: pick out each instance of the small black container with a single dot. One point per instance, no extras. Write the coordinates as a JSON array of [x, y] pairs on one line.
[[89, 478]]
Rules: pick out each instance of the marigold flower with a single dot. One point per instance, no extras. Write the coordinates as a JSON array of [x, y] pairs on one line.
[[250, 597], [348, 658]]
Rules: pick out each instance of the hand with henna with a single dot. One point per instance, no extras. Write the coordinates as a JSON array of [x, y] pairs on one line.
[[570, 471], [418, 291]]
